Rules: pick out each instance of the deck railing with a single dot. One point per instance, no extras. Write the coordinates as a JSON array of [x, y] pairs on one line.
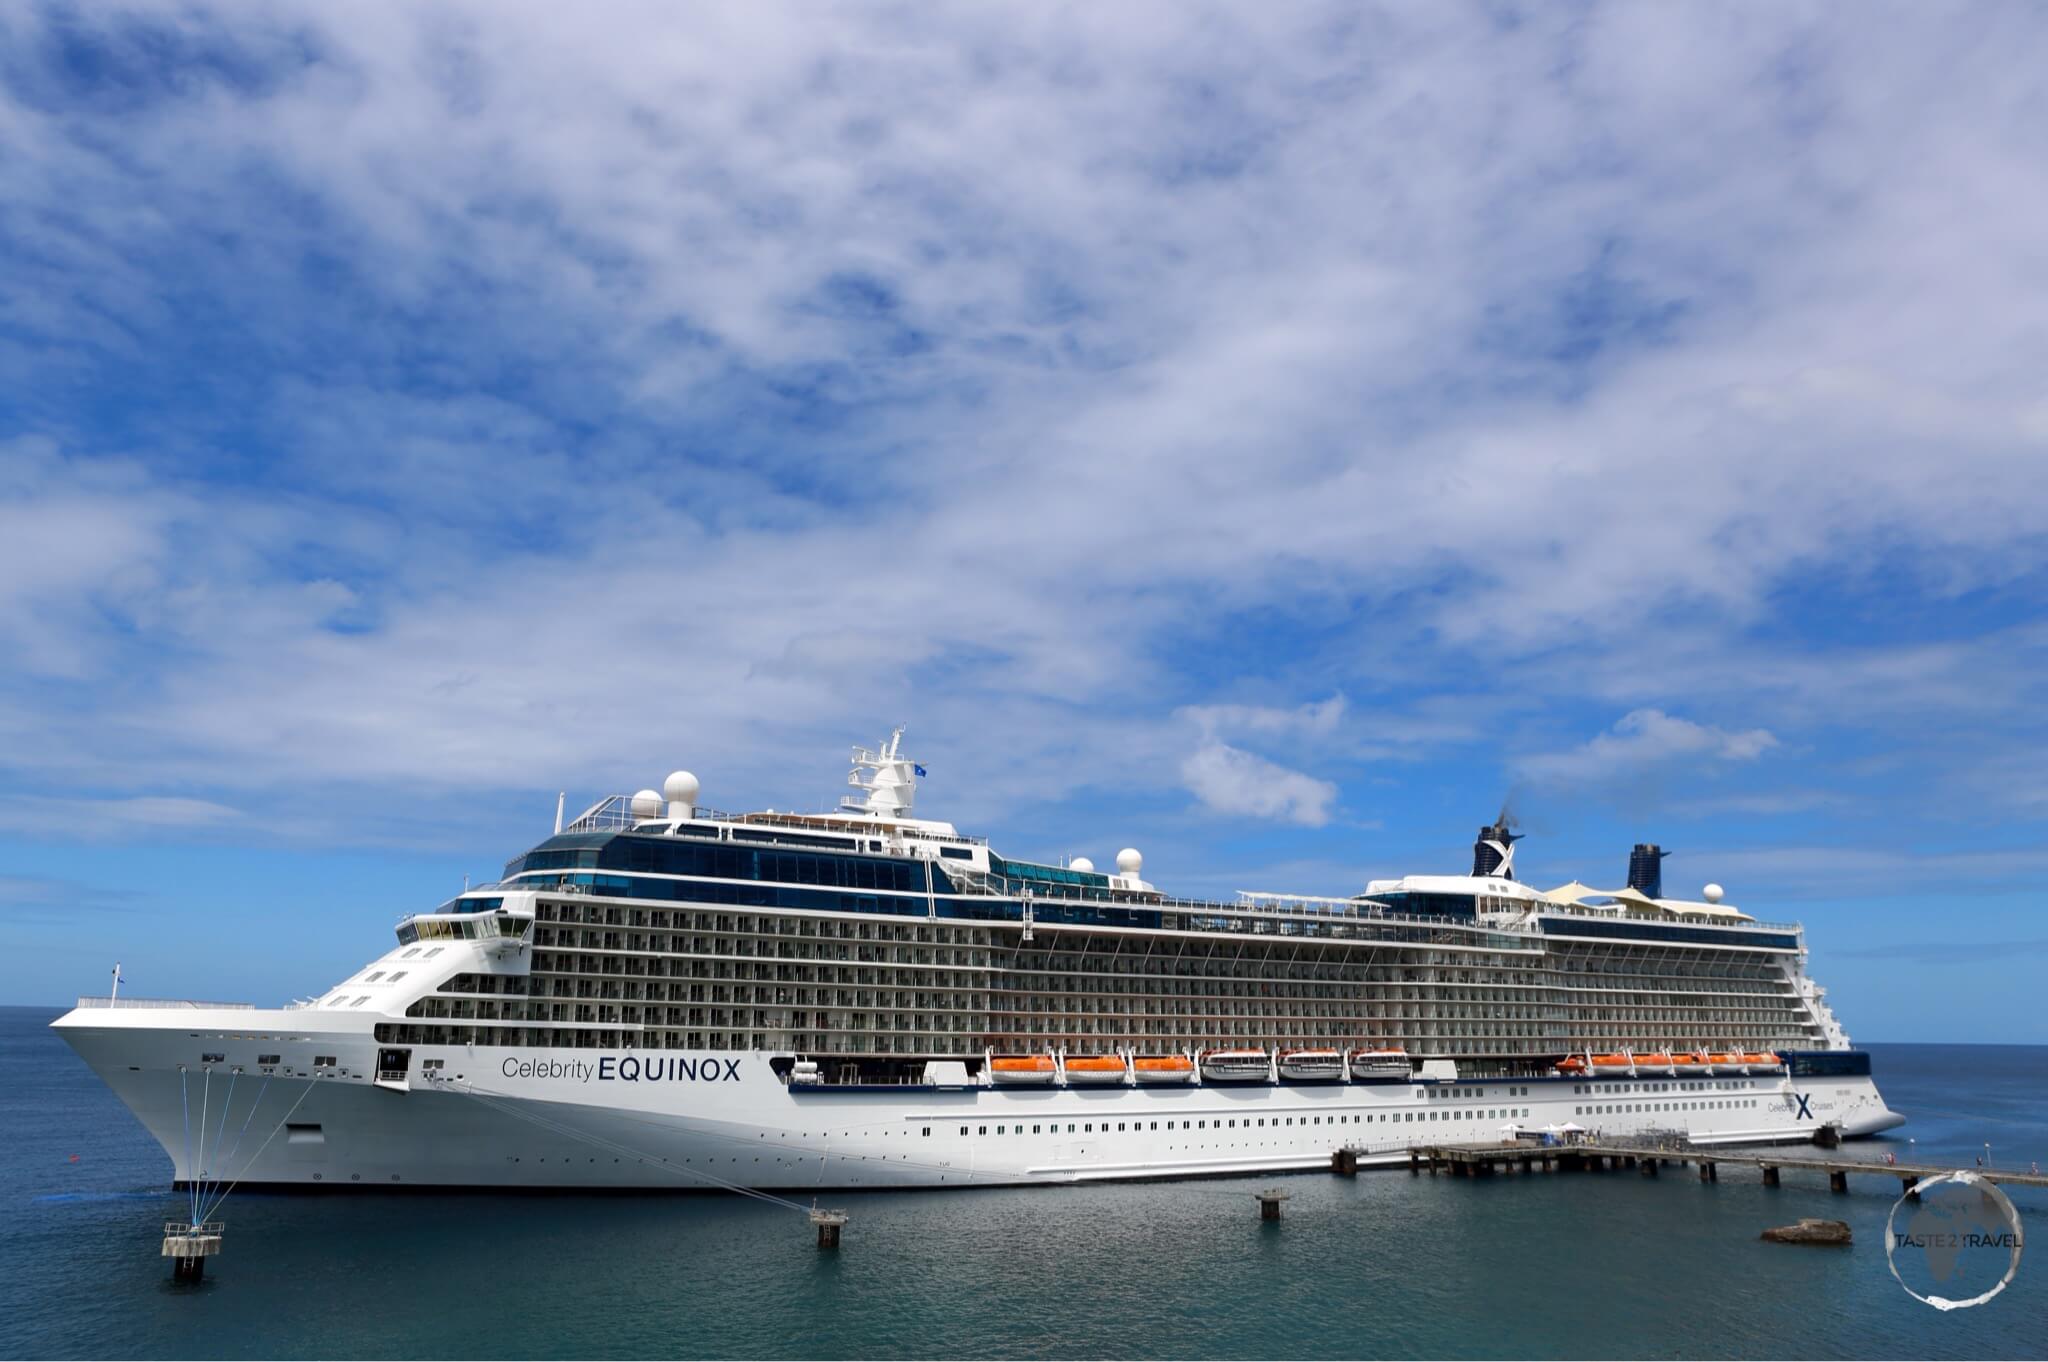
[[165, 1002]]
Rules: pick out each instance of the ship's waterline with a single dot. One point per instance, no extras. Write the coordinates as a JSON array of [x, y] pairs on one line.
[[661, 995]]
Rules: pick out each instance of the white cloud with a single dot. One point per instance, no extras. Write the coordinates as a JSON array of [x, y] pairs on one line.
[[1229, 780], [1642, 741], [1462, 347], [1318, 718], [112, 819]]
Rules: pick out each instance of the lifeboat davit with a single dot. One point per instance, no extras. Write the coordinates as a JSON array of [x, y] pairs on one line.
[[1386, 1063], [1022, 1069], [1162, 1068], [1237, 1066], [1095, 1068], [1312, 1065]]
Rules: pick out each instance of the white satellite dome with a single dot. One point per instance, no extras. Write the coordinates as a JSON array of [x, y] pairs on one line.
[[1082, 864], [1129, 861], [681, 787], [647, 804], [1712, 893]]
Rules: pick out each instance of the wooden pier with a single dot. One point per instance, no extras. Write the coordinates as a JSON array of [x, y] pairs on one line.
[[1478, 1160]]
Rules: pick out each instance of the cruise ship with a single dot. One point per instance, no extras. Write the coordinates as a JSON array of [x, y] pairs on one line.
[[664, 996]]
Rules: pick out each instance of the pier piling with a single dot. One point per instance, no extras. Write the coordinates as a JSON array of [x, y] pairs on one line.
[[829, 1224], [188, 1246], [1523, 1157], [1269, 1202], [1344, 1163]]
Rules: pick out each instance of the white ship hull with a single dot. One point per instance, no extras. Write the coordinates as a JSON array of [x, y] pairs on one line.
[[694, 1120]]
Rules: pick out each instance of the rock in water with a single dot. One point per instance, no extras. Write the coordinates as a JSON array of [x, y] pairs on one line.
[[1810, 1231]]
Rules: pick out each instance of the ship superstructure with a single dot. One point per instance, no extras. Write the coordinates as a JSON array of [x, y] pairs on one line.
[[663, 994]]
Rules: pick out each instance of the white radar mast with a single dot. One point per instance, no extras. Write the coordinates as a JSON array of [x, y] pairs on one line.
[[887, 779]]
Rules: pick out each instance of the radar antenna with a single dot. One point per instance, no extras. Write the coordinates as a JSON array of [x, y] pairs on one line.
[[886, 778]]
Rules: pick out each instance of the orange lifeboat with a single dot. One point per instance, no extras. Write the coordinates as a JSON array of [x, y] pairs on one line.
[[1022, 1069], [1570, 1065], [1095, 1068], [1729, 1060], [1162, 1068], [1694, 1062], [1768, 1063], [1659, 1061]]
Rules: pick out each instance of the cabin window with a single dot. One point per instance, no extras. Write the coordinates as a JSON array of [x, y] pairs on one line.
[[927, 1130], [268, 1059]]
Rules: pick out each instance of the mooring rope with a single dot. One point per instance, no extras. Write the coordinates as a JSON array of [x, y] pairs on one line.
[[240, 1134], [226, 1107], [214, 1209], [613, 1147], [185, 1102]]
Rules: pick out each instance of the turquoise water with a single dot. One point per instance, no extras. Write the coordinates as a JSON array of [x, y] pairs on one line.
[[1384, 1265]]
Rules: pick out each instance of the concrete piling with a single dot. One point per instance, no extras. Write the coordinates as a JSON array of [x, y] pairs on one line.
[[829, 1224]]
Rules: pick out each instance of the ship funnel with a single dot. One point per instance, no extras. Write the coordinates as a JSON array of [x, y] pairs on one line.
[[1493, 851], [1646, 869]]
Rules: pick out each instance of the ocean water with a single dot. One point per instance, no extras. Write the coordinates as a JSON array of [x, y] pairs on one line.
[[1384, 1265]]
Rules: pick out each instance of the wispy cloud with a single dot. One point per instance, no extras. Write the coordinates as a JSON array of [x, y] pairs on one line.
[[1642, 742], [52, 897], [725, 383], [1229, 780]]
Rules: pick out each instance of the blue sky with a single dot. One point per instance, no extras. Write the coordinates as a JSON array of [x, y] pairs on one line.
[[1270, 440]]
